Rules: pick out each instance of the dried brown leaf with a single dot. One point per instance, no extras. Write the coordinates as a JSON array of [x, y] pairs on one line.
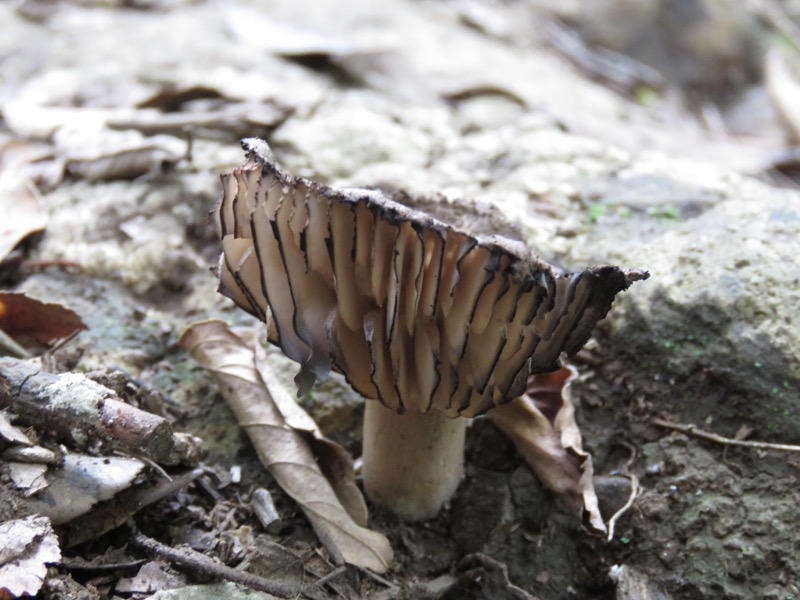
[[335, 462], [33, 323], [541, 423], [284, 450]]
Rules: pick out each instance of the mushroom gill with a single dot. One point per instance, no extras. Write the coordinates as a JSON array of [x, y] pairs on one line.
[[415, 313]]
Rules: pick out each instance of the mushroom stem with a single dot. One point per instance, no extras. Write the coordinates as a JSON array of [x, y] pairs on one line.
[[413, 462]]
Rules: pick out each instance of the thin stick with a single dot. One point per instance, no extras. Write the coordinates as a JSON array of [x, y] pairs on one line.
[[332, 575], [713, 437], [202, 564], [120, 508], [625, 471], [379, 579], [631, 499], [775, 13]]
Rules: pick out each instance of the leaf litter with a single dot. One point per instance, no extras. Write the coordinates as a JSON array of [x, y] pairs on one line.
[[542, 425], [20, 205], [29, 545], [243, 76], [333, 506], [36, 325]]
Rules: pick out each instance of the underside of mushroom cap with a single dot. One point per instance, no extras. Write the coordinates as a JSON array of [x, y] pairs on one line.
[[414, 312]]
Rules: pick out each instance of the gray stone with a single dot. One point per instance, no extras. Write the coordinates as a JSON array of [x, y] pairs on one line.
[[717, 321]]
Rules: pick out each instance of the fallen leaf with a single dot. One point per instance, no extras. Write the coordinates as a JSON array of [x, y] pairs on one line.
[[102, 154], [278, 564], [31, 161], [28, 478], [82, 482], [541, 423], [29, 544], [22, 212], [123, 507], [267, 33], [238, 117], [282, 449], [33, 323], [335, 462], [10, 434]]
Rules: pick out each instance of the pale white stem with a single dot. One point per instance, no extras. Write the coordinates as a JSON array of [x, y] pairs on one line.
[[413, 462]]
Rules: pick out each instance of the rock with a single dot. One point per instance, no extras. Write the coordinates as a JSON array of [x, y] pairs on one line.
[[715, 328], [713, 529]]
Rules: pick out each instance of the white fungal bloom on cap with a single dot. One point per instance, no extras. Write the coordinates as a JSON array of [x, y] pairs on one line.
[[414, 312]]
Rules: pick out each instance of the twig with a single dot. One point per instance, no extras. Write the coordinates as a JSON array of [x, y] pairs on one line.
[[150, 463], [119, 509], [383, 581], [626, 472], [621, 72], [11, 347], [80, 411], [202, 564], [782, 22], [713, 437], [332, 575], [625, 507], [30, 264]]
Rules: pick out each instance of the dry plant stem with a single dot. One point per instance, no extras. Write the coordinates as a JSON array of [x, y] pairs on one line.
[[713, 437], [412, 462], [203, 565]]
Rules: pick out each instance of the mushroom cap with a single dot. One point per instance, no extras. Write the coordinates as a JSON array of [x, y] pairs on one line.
[[414, 312]]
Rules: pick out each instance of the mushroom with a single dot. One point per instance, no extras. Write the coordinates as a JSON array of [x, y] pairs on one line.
[[431, 323]]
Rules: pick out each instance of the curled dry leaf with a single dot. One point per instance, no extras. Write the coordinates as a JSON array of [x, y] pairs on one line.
[[28, 545], [102, 154], [284, 450], [34, 324], [237, 117], [541, 423], [335, 462]]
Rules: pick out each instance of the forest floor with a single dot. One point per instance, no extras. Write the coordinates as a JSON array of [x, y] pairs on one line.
[[117, 120]]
